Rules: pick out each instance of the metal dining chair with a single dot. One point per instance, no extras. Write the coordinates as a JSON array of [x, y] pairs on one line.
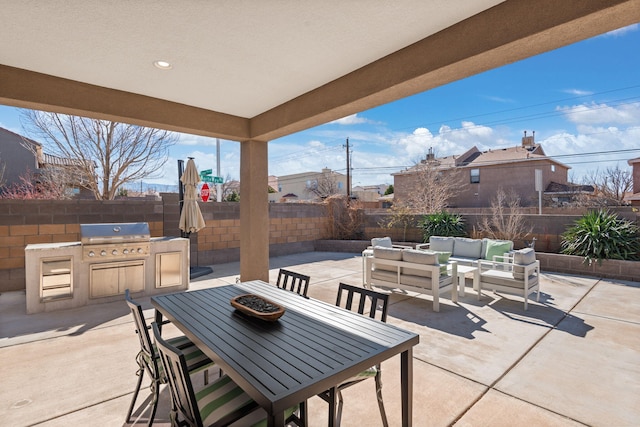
[[148, 358], [292, 281], [219, 403], [376, 304]]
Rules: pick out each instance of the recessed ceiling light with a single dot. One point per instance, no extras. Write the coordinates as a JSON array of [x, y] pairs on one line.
[[163, 65]]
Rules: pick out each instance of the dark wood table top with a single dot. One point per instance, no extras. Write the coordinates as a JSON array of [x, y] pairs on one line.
[[312, 347]]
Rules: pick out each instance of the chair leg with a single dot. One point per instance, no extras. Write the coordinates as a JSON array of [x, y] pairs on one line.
[[140, 374], [383, 413], [339, 410], [155, 389]]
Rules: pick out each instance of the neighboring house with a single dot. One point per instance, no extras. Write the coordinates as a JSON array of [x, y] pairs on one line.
[[634, 198], [482, 173], [20, 155], [370, 195], [297, 184]]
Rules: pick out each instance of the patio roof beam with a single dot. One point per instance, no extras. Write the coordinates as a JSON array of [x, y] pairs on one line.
[[28, 89]]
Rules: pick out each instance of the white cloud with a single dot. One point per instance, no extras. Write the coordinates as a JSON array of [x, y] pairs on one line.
[[622, 31], [625, 114], [353, 119], [196, 140], [578, 92]]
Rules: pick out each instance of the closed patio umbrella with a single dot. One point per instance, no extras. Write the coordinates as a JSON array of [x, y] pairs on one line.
[[191, 219]]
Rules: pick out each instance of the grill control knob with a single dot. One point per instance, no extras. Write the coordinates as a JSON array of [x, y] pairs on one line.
[[91, 254], [114, 252], [125, 251], [140, 250], [103, 253]]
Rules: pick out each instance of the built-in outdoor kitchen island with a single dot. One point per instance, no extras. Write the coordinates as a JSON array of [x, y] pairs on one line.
[[108, 259]]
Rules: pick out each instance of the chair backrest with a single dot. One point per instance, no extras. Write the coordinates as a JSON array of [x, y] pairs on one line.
[[141, 325], [378, 302], [183, 397], [292, 281]]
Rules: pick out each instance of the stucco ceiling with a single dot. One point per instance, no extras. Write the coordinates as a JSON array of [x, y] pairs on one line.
[[261, 69]]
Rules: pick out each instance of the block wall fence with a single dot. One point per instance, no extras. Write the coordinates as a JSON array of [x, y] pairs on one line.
[[294, 228]]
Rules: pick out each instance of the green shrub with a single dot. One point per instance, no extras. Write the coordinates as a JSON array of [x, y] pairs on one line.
[[602, 235], [442, 224]]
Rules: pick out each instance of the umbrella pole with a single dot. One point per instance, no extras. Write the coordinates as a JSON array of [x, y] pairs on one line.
[[181, 192], [194, 271]]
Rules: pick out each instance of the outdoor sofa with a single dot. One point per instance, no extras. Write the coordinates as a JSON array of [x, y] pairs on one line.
[[410, 269]]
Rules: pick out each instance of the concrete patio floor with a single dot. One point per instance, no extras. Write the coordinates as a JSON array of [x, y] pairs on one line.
[[572, 359]]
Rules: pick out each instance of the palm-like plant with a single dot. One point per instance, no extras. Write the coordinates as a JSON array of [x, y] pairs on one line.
[[442, 224], [602, 235]]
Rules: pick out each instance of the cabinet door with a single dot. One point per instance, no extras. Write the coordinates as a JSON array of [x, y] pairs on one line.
[[104, 281], [169, 269], [132, 278]]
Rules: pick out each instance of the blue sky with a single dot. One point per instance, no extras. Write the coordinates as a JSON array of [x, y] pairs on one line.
[[583, 102]]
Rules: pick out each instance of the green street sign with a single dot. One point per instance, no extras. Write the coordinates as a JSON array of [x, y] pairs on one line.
[[218, 180], [207, 178], [206, 172]]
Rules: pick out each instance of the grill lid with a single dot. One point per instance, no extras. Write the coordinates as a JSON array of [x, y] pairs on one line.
[[114, 233]]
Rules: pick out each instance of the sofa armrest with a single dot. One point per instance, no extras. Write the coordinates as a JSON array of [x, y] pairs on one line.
[[422, 246]]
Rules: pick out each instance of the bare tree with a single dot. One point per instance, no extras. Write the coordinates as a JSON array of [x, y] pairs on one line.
[[611, 185], [106, 154], [401, 217], [432, 187], [323, 186], [345, 217], [507, 220], [46, 184]]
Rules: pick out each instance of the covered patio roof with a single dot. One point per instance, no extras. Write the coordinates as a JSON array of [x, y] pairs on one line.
[[256, 71]]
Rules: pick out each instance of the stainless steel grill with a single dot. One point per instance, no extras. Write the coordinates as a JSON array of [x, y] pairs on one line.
[[115, 241]]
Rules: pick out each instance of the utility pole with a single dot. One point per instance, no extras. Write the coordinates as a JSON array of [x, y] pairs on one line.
[[218, 186], [348, 173]]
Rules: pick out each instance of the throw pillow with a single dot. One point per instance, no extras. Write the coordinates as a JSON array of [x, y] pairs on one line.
[[497, 247], [438, 243], [521, 258], [381, 241], [467, 248], [443, 259]]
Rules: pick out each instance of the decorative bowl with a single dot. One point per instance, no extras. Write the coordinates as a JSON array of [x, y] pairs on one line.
[[257, 306]]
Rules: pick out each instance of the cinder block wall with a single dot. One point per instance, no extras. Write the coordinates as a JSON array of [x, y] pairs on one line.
[[294, 227], [23, 222]]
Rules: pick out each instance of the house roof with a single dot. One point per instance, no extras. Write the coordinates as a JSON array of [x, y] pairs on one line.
[[474, 158], [17, 137]]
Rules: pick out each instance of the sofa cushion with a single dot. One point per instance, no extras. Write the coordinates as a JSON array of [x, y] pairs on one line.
[[423, 282], [522, 257], [467, 248], [382, 253], [496, 247], [387, 276], [394, 254], [443, 259], [441, 244], [504, 278], [381, 241], [416, 256]]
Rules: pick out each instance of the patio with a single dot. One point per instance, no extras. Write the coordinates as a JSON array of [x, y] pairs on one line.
[[572, 359]]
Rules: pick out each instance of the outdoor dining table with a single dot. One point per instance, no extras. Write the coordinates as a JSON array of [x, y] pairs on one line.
[[311, 348]]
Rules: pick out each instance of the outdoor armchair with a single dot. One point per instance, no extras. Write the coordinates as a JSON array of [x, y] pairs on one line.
[[219, 403], [148, 358], [518, 273], [373, 303]]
